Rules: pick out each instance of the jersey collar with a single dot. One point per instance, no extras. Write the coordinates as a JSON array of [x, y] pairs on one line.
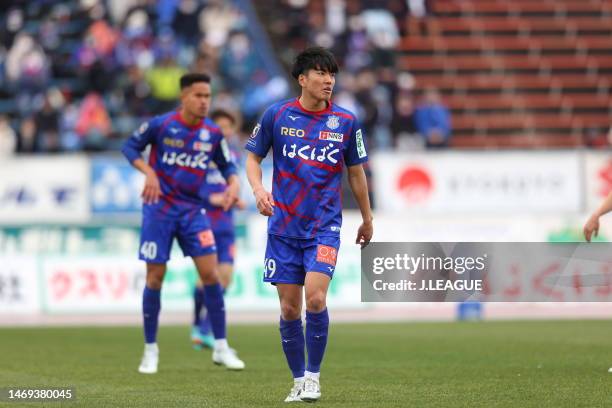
[[321, 112]]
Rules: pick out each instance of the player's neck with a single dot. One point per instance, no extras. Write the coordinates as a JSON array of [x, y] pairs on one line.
[[188, 118], [312, 104]]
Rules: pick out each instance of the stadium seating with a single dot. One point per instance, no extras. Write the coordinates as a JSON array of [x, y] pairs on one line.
[[518, 74]]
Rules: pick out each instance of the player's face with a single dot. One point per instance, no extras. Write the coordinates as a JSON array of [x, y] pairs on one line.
[[196, 99], [318, 83], [227, 126]]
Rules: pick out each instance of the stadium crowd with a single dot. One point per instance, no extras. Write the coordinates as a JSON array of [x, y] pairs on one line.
[[80, 75]]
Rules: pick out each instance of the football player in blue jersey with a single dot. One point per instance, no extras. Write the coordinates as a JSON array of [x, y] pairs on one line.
[[312, 139], [183, 145], [222, 224]]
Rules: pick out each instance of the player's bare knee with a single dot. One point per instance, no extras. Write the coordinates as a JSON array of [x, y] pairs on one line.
[[315, 302], [210, 277], [290, 311], [155, 276]]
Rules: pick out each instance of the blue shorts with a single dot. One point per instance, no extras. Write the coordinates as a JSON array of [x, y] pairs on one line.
[[193, 234], [288, 259], [225, 246]]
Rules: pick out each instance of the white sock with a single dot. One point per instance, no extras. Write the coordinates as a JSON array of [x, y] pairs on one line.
[[312, 375], [151, 347], [221, 344], [298, 380]]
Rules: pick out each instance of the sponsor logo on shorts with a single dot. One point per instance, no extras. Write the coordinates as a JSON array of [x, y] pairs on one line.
[[333, 136], [326, 254], [206, 238]]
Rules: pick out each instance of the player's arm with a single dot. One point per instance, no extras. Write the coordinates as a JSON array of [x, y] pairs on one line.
[[591, 228], [263, 198], [132, 149], [223, 160], [359, 187], [258, 146]]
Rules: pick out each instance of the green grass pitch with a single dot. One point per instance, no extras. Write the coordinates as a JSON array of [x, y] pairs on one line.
[[481, 364]]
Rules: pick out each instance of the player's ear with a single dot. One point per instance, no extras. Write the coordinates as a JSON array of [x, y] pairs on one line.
[[302, 79]]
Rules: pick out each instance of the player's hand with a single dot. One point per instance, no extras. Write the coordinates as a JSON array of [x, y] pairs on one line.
[[591, 228], [152, 190], [240, 204], [230, 196], [364, 233], [217, 199], [265, 202]]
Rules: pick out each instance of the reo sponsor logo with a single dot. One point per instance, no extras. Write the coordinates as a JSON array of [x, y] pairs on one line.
[[334, 137], [185, 160], [174, 142], [288, 131]]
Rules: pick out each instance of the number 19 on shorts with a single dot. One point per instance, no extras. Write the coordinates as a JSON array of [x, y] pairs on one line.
[[269, 267]]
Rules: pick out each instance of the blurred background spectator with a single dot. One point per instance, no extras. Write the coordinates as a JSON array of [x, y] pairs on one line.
[[432, 120]]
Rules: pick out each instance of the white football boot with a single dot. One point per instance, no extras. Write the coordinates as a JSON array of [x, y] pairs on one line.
[[150, 359], [311, 391], [296, 391], [228, 358]]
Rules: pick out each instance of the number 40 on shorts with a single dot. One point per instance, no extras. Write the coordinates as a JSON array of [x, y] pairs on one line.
[[148, 249]]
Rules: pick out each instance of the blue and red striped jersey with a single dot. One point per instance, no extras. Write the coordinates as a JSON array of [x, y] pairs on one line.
[[309, 152], [220, 221], [180, 155]]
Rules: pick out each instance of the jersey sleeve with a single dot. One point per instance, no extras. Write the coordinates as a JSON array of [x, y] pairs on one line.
[[138, 141], [355, 152], [223, 158], [260, 140]]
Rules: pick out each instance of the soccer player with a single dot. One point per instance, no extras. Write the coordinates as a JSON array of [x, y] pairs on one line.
[[311, 139], [183, 144], [222, 225]]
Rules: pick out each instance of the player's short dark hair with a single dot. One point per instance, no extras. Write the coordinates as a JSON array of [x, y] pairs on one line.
[[189, 79], [222, 113], [314, 58]]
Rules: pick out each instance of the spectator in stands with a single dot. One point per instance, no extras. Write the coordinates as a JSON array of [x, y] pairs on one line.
[[417, 22], [93, 124], [136, 91], [47, 125], [8, 138], [238, 62], [217, 20], [433, 121], [185, 22], [382, 30], [403, 126], [28, 136], [164, 82]]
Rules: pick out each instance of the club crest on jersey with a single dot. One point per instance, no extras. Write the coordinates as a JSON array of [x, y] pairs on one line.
[[204, 135], [334, 137], [333, 122]]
